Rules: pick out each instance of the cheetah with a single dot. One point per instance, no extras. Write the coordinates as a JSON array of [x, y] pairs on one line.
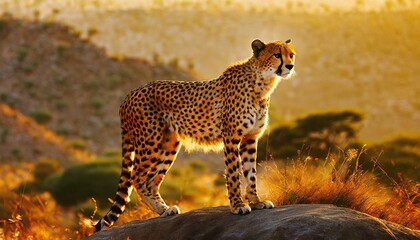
[[230, 113]]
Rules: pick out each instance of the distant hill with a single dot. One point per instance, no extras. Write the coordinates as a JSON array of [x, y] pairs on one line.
[[362, 60], [21, 138], [65, 83], [359, 59]]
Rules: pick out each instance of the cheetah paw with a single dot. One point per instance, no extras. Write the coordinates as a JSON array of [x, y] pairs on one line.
[[174, 210], [240, 209], [262, 205]]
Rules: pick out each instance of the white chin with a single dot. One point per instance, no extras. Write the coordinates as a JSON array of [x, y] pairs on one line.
[[285, 75]]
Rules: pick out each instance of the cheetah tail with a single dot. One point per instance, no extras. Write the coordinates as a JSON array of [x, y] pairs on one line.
[[122, 197]]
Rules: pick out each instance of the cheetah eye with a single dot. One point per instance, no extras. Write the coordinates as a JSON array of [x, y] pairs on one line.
[[277, 55], [292, 55]]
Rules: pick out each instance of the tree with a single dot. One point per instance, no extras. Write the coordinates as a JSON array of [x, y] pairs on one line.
[[314, 135]]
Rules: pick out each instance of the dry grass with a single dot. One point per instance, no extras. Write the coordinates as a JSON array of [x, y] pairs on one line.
[[39, 217], [36, 217], [303, 182], [338, 180]]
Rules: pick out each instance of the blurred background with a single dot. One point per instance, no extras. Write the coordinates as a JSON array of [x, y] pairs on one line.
[[65, 67]]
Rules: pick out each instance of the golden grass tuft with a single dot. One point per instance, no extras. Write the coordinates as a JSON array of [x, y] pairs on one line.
[[35, 217], [305, 182]]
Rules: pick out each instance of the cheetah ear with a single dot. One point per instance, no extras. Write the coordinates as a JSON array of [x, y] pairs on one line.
[[288, 41], [257, 47]]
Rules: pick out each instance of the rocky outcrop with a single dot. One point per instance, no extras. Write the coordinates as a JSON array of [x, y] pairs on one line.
[[313, 221]]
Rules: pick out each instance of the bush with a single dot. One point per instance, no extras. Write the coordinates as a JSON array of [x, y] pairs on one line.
[[399, 157], [61, 47], [21, 54], [114, 81], [91, 84], [41, 116], [45, 168], [80, 183], [78, 144], [96, 102], [29, 67], [198, 166], [4, 133], [61, 104], [63, 131]]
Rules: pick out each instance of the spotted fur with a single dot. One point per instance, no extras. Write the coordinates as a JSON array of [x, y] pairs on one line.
[[229, 112]]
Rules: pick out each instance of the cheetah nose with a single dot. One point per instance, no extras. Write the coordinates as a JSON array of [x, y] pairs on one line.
[[289, 66]]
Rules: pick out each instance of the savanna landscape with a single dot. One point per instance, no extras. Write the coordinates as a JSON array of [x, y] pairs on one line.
[[343, 131]]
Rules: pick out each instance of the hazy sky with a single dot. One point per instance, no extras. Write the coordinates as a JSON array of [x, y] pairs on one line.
[[130, 4]]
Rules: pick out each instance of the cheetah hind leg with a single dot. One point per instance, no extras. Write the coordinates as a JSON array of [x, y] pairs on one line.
[[150, 191]]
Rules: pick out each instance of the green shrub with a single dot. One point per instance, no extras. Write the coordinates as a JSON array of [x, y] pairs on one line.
[[78, 144], [21, 54], [80, 183], [17, 153], [96, 102], [28, 83], [114, 81], [3, 27], [61, 104], [172, 191], [29, 67], [61, 47], [41, 116], [45, 168], [92, 84], [63, 131], [3, 96], [399, 157], [198, 166], [220, 181], [112, 153], [4, 133]]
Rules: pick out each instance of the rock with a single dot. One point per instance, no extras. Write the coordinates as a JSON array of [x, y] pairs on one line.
[[312, 221]]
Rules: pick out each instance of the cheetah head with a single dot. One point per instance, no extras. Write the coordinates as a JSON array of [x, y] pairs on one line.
[[274, 58]]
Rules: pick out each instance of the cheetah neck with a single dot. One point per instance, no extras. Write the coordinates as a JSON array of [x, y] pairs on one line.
[[264, 86], [245, 75]]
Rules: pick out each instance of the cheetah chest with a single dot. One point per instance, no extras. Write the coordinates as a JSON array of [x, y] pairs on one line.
[[255, 119]]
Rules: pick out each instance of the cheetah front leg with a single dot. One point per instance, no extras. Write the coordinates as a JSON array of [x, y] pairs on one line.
[[248, 152], [232, 174]]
